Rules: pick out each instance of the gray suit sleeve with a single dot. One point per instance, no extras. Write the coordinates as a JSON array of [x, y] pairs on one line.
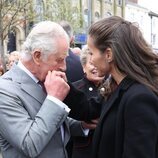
[[27, 134]]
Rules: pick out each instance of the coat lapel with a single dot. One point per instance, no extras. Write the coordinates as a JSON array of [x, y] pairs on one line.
[[115, 97], [98, 131]]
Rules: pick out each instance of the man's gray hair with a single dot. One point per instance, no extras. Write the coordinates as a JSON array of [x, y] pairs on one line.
[[43, 37]]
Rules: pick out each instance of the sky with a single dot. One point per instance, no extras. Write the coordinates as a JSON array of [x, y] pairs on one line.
[[149, 4]]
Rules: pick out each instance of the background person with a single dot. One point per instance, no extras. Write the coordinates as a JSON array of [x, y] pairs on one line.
[[74, 69], [1, 67], [76, 50], [13, 57], [89, 84]]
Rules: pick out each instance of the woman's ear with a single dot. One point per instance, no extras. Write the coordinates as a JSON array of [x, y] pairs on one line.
[[108, 55], [37, 57]]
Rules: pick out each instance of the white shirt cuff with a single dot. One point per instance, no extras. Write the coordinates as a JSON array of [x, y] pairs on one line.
[[86, 131], [58, 102]]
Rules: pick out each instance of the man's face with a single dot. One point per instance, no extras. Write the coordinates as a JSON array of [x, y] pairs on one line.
[[54, 61]]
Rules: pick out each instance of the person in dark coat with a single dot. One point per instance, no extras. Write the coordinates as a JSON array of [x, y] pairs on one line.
[[128, 125], [74, 69], [89, 84]]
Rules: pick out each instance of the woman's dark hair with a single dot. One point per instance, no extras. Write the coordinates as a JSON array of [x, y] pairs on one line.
[[132, 55]]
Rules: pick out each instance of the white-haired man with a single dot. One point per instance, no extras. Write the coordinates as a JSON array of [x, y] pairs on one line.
[[34, 123]]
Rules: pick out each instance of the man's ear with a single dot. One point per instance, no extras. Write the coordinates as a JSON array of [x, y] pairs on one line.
[[108, 55], [37, 57]]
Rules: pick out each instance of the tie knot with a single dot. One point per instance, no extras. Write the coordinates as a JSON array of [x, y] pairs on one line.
[[42, 86]]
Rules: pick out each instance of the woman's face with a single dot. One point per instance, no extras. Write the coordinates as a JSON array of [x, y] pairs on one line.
[[91, 71], [99, 60]]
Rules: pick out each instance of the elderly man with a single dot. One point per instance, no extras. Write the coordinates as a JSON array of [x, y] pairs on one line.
[[33, 121]]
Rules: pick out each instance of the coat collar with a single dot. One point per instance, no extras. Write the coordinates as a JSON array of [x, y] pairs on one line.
[[122, 87], [26, 82]]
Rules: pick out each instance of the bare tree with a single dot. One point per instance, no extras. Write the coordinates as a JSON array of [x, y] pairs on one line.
[[58, 10], [15, 12], [12, 13]]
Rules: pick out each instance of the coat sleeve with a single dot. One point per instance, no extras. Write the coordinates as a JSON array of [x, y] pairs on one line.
[[81, 107], [141, 126]]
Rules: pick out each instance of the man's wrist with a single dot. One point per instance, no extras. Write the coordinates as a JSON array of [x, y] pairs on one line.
[[58, 102]]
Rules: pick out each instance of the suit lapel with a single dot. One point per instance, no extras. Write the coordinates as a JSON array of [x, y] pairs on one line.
[[98, 131], [27, 84], [34, 90]]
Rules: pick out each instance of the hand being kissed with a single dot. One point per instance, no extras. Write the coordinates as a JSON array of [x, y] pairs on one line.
[[56, 84]]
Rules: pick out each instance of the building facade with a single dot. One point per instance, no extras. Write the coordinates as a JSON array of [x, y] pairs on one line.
[[91, 11], [146, 20]]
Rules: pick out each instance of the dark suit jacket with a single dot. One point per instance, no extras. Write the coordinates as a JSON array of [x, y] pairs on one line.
[[74, 70], [128, 126], [82, 146]]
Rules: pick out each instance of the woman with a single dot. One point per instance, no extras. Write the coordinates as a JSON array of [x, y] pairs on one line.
[[128, 126], [89, 84]]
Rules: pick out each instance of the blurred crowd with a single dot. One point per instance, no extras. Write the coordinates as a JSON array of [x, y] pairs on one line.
[[10, 59]]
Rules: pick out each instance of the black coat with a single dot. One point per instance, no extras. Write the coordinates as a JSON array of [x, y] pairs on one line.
[[82, 146], [128, 126], [87, 87], [74, 70]]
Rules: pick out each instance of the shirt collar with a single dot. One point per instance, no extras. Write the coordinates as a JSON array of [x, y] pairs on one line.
[[22, 67]]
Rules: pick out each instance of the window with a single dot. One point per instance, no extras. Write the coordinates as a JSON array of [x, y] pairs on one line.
[[86, 17], [119, 2], [97, 16], [110, 1], [11, 46], [108, 14], [39, 9]]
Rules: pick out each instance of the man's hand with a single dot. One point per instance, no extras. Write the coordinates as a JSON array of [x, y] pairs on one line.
[[56, 84]]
